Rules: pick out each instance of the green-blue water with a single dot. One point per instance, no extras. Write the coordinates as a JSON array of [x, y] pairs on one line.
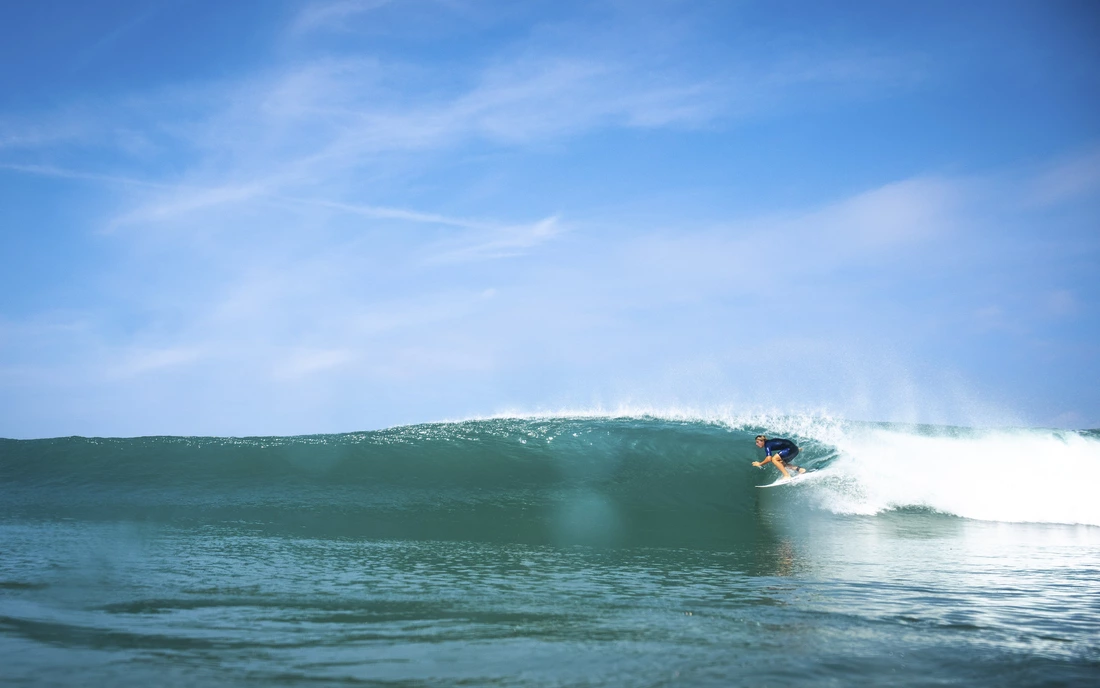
[[583, 551]]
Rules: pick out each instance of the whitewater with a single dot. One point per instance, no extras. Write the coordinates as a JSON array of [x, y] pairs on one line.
[[573, 548]]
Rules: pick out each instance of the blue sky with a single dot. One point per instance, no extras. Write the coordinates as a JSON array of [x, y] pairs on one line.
[[292, 217]]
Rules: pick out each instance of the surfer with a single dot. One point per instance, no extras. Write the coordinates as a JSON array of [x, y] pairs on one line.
[[780, 452]]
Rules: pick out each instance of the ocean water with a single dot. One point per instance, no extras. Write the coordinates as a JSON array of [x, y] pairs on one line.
[[565, 551]]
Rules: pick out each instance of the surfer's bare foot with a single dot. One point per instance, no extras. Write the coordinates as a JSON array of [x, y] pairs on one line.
[[801, 470]]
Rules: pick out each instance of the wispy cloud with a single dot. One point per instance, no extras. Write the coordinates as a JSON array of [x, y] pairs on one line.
[[384, 213], [772, 256], [1068, 179], [63, 173], [505, 242], [312, 361], [87, 55], [139, 362], [18, 135], [332, 14], [315, 132], [1061, 303], [183, 200], [255, 152], [892, 216]]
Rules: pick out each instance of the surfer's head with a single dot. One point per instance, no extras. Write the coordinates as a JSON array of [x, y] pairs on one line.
[[760, 440]]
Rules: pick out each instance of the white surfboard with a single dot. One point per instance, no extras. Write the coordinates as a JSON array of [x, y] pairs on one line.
[[788, 481]]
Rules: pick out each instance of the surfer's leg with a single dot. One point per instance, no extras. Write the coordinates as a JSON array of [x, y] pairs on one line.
[[791, 465], [778, 461]]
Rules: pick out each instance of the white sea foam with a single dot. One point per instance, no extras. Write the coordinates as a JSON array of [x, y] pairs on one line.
[[1025, 475]]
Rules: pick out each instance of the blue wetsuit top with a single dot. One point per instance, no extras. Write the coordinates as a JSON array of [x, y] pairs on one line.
[[785, 448]]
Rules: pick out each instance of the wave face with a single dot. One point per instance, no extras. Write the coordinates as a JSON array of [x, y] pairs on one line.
[[615, 480]]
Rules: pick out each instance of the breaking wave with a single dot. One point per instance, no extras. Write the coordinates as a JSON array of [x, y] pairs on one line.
[[645, 479]]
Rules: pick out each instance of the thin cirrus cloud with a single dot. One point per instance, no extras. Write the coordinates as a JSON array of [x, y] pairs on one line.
[[312, 361], [351, 132], [505, 242], [327, 122], [873, 228], [140, 362], [332, 15], [1068, 178], [247, 139]]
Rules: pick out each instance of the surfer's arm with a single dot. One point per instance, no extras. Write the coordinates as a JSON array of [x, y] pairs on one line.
[[760, 464]]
